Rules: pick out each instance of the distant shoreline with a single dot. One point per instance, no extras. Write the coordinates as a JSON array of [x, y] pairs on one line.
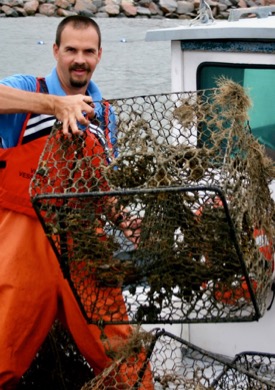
[[157, 9]]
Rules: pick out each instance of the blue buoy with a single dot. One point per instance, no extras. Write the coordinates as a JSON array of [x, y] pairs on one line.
[[41, 43], [123, 40]]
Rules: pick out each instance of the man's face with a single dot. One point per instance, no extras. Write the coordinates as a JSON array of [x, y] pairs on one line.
[[77, 57]]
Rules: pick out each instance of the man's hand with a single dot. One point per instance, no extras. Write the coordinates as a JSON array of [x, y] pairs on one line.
[[73, 109], [131, 227], [129, 224]]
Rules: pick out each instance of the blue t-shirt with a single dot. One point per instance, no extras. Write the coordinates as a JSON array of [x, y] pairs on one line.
[[11, 124]]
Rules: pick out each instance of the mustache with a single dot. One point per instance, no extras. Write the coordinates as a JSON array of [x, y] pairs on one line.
[[80, 67]]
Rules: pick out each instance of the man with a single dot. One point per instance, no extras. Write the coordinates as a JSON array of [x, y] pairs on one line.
[[33, 292]]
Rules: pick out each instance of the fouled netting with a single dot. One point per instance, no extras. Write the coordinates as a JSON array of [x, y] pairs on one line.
[[57, 365], [171, 223], [179, 365], [261, 365]]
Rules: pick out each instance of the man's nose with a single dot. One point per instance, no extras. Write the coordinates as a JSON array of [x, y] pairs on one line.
[[79, 58]]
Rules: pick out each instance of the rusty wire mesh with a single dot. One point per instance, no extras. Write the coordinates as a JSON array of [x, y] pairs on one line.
[[57, 365], [250, 370], [179, 365], [190, 183]]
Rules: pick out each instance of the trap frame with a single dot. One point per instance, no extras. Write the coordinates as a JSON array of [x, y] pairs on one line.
[[260, 364], [187, 184], [178, 364]]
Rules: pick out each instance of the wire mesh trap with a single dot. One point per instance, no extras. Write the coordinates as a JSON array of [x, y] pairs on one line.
[[256, 363], [58, 364], [171, 223], [179, 365]]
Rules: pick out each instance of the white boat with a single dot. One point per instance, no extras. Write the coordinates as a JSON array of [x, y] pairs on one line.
[[242, 48]]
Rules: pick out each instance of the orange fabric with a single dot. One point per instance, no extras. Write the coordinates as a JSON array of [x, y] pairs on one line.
[[229, 294], [21, 163], [33, 293], [58, 170], [265, 245]]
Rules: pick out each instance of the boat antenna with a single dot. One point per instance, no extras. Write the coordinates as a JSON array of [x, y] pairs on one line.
[[205, 15]]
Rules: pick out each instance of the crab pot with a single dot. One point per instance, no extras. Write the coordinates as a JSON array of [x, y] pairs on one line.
[[177, 364], [252, 370], [169, 223]]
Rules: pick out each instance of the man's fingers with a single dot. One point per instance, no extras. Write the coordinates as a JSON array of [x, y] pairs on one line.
[[89, 102], [74, 112], [65, 127]]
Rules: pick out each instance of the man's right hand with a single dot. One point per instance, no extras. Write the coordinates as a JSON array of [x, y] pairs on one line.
[[73, 109]]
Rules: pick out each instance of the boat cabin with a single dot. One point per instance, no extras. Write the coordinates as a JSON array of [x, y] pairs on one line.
[[241, 49]]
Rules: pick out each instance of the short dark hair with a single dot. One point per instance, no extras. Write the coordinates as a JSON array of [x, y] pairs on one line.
[[78, 21]]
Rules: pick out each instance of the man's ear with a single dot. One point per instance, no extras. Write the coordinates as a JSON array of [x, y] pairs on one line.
[[55, 50], [99, 55]]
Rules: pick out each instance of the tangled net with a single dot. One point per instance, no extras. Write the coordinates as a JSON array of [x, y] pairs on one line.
[[178, 364], [58, 364], [173, 222]]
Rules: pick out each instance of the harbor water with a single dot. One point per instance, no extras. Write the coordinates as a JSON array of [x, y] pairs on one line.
[[130, 66]]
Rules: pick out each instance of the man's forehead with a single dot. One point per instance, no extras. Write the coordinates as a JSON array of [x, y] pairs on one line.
[[70, 32]]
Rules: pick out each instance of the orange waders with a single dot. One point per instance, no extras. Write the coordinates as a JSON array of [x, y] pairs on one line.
[[33, 293]]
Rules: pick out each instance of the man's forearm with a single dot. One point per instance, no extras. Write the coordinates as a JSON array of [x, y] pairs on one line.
[[68, 109], [14, 101]]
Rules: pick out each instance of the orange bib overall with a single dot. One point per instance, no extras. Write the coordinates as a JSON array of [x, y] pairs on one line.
[[33, 291]]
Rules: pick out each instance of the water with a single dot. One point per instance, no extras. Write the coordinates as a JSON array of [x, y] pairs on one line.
[[130, 66]]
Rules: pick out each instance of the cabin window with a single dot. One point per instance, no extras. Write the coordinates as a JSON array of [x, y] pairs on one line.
[[259, 82]]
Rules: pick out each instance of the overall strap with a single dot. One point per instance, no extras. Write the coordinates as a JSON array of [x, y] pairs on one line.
[[40, 87]]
